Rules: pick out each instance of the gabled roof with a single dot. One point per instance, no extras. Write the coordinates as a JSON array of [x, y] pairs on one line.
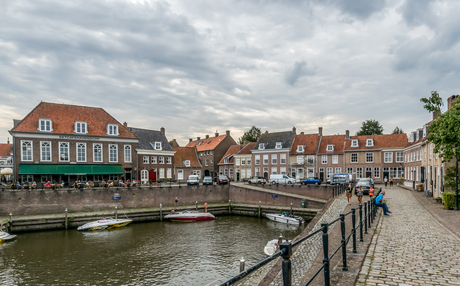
[[207, 144], [147, 139], [380, 141], [185, 153], [336, 140], [232, 150], [247, 148], [63, 118], [6, 150], [270, 140], [310, 141]]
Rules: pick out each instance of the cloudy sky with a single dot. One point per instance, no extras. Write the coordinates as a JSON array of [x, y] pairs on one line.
[[195, 67]]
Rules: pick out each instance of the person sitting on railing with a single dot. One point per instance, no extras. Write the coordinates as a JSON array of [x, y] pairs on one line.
[[62, 184], [34, 185], [48, 185], [379, 203], [134, 183], [18, 185], [3, 186]]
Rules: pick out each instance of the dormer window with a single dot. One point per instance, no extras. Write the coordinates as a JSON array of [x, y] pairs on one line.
[[300, 148], [157, 145], [330, 148], [354, 143], [187, 163], [261, 146], [279, 145], [226, 160], [369, 142], [112, 129], [81, 127], [45, 125]]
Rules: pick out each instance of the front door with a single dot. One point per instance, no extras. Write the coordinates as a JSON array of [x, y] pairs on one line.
[[321, 176], [387, 175], [152, 175], [128, 173], [237, 176]]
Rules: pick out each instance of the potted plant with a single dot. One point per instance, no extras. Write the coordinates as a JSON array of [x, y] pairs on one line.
[[438, 200]]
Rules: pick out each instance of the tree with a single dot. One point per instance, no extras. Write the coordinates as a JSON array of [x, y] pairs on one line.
[[252, 135], [433, 103], [397, 130], [370, 127], [445, 133]]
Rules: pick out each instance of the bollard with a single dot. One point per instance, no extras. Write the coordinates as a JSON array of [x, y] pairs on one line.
[[66, 222], [259, 208], [116, 212], [286, 265], [280, 239], [365, 217], [161, 213], [196, 205], [291, 209], [369, 214], [229, 207], [327, 280], [353, 225], [11, 223], [361, 223], [344, 246], [242, 264]]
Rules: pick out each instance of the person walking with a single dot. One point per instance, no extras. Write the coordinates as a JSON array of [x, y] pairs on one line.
[[359, 194], [349, 193], [205, 207], [385, 181], [391, 182], [176, 202]]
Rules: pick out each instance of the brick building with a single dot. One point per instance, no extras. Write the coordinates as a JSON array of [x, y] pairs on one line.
[[302, 158], [186, 163], [6, 161], [243, 162], [227, 163], [330, 156]]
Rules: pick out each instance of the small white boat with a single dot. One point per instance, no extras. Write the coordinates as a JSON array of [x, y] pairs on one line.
[[271, 247], [285, 217], [4, 236], [189, 216], [105, 223]]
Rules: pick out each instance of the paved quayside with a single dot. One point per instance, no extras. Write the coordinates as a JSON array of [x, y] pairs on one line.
[[410, 247]]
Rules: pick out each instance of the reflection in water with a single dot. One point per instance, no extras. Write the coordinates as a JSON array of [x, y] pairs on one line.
[[157, 253]]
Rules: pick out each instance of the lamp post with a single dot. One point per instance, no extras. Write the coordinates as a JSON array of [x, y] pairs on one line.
[[413, 181]]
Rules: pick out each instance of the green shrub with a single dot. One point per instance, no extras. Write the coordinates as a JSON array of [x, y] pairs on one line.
[[449, 200]]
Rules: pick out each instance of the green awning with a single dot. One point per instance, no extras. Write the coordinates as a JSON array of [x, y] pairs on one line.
[[74, 169]]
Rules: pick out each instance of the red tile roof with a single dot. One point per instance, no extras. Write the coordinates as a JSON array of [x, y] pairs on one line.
[[231, 151], [310, 141], [206, 144], [380, 141], [183, 154], [63, 118], [6, 150], [337, 140], [247, 149]]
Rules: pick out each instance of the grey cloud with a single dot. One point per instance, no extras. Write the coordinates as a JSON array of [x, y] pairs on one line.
[[360, 9], [297, 71]]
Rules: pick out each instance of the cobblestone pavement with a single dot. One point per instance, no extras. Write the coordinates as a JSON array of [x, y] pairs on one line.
[[410, 247]]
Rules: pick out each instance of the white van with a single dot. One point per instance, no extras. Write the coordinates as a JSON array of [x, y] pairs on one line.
[[281, 179], [193, 180]]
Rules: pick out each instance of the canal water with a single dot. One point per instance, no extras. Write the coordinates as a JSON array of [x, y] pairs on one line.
[[154, 253]]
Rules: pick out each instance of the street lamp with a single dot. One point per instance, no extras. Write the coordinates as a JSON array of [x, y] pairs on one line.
[[413, 181]]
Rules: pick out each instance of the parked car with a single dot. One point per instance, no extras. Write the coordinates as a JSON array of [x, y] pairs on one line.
[[365, 183], [281, 179], [222, 179], [257, 180], [311, 180], [193, 180], [207, 181]]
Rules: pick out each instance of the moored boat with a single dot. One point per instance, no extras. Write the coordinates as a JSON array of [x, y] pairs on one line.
[[285, 217], [189, 216], [105, 223], [4, 236], [271, 247]]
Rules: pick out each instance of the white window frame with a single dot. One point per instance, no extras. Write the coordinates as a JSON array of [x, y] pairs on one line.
[[144, 176], [329, 172], [46, 126], [338, 170], [400, 157], [261, 146], [376, 172], [169, 173], [237, 161], [300, 148], [283, 170], [300, 159], [265, 159], [42, 152], [279, 145], [81, 127], [257, 171], [369, 156], [158, 146], [390, 157], [243, 161], [60, 151], [369, 142], [128, 154], [111, 158], [359, 172], [168, 160], [161, 160], [323, 159], [153, 159], [257, 159], [146, 159], [274, 170], [354, 143], [274, 159], [180, 174], [112, 130], [31, 150], [351, 158], [283, 159], [310, 160], [83, 144], [94, 152], [206, 161], [335, 159], [330, 148], [350, 170], [162, 173], [248, 161]]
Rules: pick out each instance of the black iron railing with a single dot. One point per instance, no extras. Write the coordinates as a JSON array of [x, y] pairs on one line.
[[364, 221]]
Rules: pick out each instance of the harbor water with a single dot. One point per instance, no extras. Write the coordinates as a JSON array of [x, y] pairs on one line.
[[155, 253]]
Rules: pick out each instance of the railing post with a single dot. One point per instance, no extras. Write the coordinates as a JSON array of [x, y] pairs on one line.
[[161, 213], [353, 224], [333, 195], [291, 209], [116, 212], [344, 246], [327, 280], [286, 247], [361, 223], [242, 264], [66, 221], [259, 208], [365, 217], [375, 209], [11, 223], [369, 214], [196, 205], [229, 207]]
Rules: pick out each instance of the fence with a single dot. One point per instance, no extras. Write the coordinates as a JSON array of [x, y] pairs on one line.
[[365, 220]]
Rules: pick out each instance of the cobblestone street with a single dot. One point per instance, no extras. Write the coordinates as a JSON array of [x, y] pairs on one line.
[[410, 247]]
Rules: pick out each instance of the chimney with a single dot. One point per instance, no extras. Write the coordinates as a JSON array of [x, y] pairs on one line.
[[207, 136], [450, 100], [125, 124], [320, 131], [198, 138], [8, 140], [294, 130], [245, 142], [347, 134], [227, 132], [217, 134], [190, 140], [162, 130], [302, 133]]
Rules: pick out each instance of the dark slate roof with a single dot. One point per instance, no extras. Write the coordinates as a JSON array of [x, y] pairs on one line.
[[146, 137], [270, 139]]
